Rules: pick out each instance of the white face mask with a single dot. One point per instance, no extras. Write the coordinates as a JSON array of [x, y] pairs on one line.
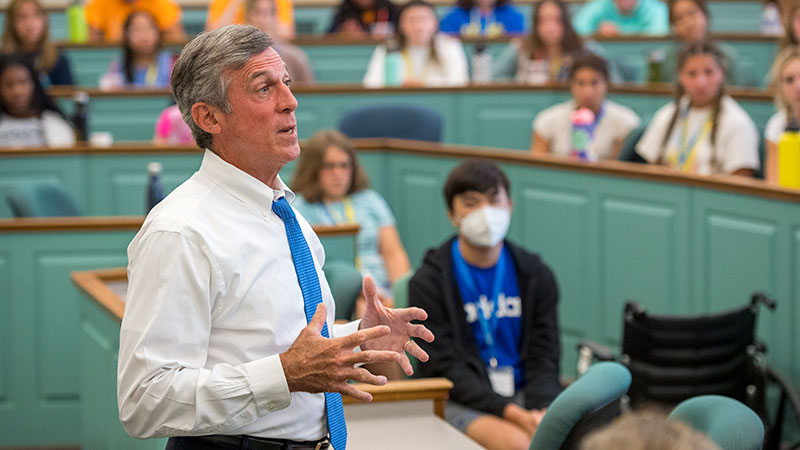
[[485, 227]]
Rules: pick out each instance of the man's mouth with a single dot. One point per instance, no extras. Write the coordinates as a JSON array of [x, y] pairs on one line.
[[288, 130]]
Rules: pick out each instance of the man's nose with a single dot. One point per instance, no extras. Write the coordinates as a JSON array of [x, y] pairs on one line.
[[287, 102]]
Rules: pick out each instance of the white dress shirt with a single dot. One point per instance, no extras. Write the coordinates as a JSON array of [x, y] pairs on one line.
[[212, 300]]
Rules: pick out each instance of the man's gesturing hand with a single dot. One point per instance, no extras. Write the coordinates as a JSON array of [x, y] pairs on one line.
[[317, 364], [399, 322]]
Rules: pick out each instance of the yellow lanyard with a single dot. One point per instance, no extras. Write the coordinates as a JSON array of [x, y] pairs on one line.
[[349, 217], [409, 67], [152, 73], [684, 159]]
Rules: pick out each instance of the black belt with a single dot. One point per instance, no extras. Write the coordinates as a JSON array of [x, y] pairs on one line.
[[257, 443]]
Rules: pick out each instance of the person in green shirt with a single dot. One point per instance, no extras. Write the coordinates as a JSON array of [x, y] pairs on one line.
[[616, 17]]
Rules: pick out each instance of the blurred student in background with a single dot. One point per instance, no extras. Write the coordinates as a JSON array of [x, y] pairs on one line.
[[647, 430], [703, 131], [786, 88], [28, 117], [228, 12], [171, 129], [555, 128], [616, 17], [144, 63], [690, 20], [546, 53], [791, 23], [106, 18], [27, 31], [490, 18], [262, 14], [428, 58], [363, 18], [333, 189]]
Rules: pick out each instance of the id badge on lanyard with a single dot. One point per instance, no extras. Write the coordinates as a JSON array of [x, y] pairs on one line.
[[501, 377]]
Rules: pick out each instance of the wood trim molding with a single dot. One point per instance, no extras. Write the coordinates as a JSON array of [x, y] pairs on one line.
[[92, 283], [81, 223], [436, 389]]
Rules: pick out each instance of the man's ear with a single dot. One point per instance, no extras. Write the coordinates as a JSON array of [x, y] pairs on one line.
[[452, 217], [207, 117]]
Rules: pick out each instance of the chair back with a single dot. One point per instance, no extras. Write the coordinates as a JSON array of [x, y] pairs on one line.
[[42, 199], [393, 121], [673, 358], [601, 385], [345, 283], [727, 422], [628, 151]]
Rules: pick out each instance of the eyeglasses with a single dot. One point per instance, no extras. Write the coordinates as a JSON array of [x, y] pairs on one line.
[[340, 165]]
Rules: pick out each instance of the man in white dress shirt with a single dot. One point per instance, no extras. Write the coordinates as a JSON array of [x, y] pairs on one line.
[[215, 347]]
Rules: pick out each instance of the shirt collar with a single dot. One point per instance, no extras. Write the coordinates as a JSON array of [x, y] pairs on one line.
[[242, 185]]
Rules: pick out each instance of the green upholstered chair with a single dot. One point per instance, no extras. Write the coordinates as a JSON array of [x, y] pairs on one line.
[[398, 121], [345, 282], [603, 384], [42, 199], [727, 422], [628, 151]]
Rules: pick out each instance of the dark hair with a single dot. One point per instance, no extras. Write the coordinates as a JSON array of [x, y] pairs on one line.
[[305, 180], [703, 47], [401, 40], [127, 52], [789, 38], [469, 4], [570, 42], [40, 100], [475, 175], [699, 3], [589, 60]]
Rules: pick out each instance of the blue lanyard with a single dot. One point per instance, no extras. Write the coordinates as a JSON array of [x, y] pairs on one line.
[[488, 327]]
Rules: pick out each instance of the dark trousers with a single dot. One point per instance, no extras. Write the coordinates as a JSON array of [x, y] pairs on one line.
[[188, 443]]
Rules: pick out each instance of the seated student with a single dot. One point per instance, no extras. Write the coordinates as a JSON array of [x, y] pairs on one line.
[[28, 117], [490, 18], [27, 31], [690, 20], [554, 129], [786, 88], [107, 17], [362, 18], [171, 129], [429, 58], [546, 53], [229, 12], [332, 189], [616, 17], [791, 23], [493, 306], [646, 430], [262, 15], [704, 131], [144, 63]]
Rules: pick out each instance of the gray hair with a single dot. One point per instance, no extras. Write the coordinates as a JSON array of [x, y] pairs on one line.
[[199, 74]]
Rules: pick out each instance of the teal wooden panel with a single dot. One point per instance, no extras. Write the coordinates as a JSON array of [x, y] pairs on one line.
[[121, 183], [312, 20], [501, 119], [89, 64], [68, 170], [57, 315], [339, 248], [418, 204], [5, 333], [132, 119], [339, 64], [736, 17], [794, 303]]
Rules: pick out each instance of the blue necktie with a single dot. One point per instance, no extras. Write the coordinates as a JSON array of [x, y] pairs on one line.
[[312, 296]]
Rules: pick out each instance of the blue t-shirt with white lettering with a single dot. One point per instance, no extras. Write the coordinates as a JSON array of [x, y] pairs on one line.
[[508, 335]]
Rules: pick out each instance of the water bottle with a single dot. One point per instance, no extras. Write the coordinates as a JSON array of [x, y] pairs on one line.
[[789, 156], [80, 116], [392, 65], [655, 66], [582, 134], [481, 64], [77, 30], [155, 190]]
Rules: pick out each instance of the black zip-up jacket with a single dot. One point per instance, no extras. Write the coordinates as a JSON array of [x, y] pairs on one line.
[[454, 354]]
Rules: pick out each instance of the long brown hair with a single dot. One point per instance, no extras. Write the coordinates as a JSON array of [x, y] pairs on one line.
[[10, 42], [127, 52], [689, 50], [789, 38], [776, 74], [401, 40], [305, 180], [701, 4], [533, 45]]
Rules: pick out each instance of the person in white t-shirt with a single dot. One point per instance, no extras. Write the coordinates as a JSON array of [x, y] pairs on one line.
[[554, 130], [785, 74], [427, 57], [703, 131]]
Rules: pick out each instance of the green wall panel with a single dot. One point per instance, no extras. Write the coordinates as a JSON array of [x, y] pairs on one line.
[[67, 170], [6, 341]]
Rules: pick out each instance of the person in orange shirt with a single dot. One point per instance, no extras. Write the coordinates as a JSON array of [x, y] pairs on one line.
[[106, 17], [228, 12]]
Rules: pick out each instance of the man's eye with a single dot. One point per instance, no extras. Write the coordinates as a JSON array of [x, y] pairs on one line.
[[287, 82]]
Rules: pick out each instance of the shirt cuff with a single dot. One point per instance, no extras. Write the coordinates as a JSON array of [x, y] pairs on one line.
[[268, 384]]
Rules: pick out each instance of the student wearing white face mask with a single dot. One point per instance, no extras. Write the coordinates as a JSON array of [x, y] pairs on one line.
[[493, 308]]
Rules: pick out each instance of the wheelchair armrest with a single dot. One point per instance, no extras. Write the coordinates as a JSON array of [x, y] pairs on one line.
[[598, 350]]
